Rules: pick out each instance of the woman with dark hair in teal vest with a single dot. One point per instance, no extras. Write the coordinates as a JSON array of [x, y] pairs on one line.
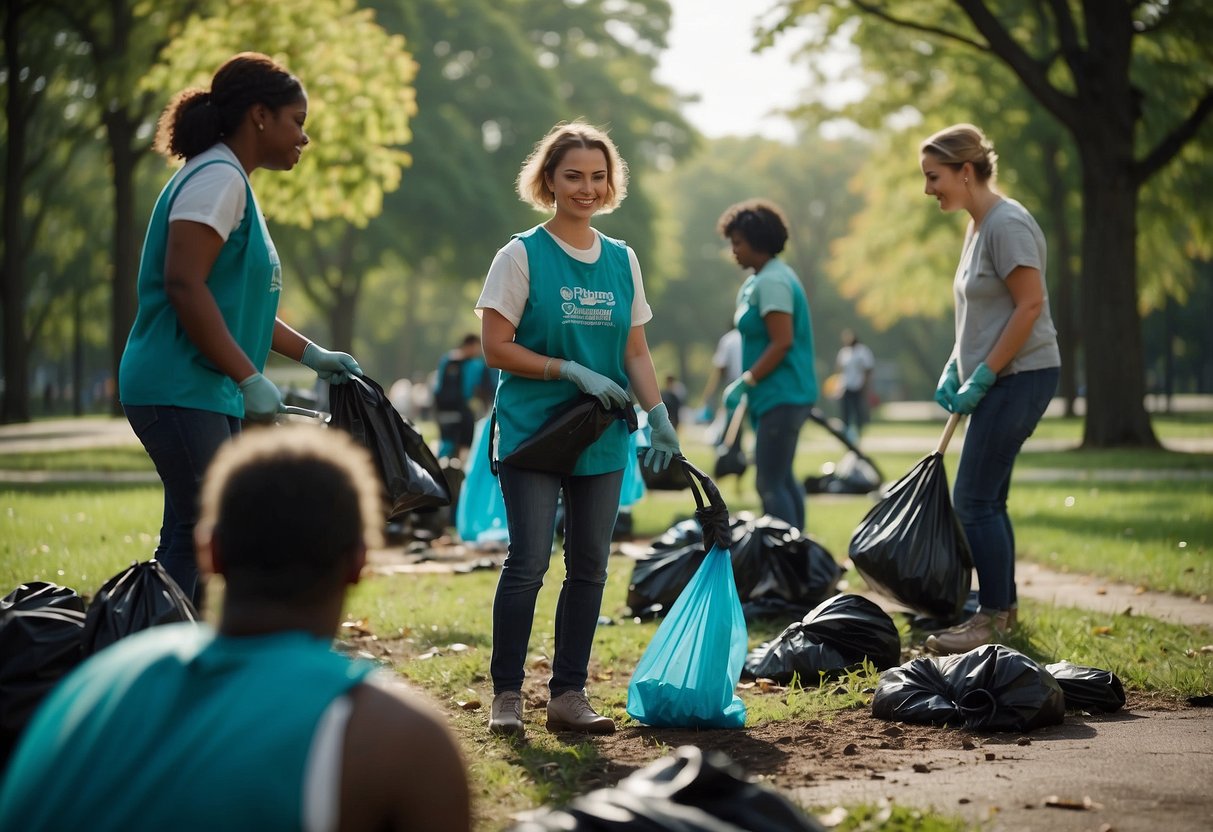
[[563, 313], [209, 283], [779, 378]]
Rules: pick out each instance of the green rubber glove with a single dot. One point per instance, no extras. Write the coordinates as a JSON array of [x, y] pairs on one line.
[[663, 440], [606, 391], [261, 398], [333, 367], [949, 383], [973, 390], [733, 393]]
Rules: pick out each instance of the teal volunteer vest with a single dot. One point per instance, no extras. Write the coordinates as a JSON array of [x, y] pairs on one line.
[[794, 380], [178, 728], [576, 311], [160, 364]]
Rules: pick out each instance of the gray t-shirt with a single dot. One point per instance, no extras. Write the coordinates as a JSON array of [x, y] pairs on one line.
[[1008, 238]]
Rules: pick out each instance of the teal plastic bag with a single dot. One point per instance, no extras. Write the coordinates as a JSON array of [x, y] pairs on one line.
[[688, 674], [480, 512]]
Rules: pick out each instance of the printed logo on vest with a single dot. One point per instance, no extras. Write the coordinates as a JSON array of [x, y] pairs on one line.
[[587, 307]]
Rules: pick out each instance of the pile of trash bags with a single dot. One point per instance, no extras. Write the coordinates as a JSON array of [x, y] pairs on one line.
[[46, 630], [992, 688], [778, 570]]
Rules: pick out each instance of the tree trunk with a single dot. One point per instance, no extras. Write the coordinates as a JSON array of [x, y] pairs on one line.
[[1115, 370], [120, 132], [12, 287], [1062, 269]]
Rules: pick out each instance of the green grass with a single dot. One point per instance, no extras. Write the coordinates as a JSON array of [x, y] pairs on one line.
[[122, 458], [438, 627]]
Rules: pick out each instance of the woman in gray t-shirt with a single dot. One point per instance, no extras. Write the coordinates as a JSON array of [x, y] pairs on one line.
[[1003, 369]]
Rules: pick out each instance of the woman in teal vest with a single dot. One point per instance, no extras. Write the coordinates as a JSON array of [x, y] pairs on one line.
[[779, 379], [563, 313], [209, 283]]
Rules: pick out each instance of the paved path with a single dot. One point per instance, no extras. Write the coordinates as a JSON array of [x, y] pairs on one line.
[[1140, 771]]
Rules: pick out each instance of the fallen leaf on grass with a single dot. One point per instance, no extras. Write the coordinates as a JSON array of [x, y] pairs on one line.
[[1084, 805], [360, 627], [1101, 631]]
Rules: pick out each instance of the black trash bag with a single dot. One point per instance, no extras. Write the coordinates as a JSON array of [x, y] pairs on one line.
[[911, 547], [990, 688], [730, 452], [836, 636], [1088, 688], [687, 791], [41, 639], [559, 442], [412, 478], [929, 624], [778, 571], [853, 474], [426, 524], [710, 509], [141, 596]]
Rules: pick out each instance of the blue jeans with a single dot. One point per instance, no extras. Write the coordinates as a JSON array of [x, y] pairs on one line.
[[590, 506], [774, 450], [997, 429], [181, 442]]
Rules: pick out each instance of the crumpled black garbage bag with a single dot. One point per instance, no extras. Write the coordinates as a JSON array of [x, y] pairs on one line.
[[560, 441], [990, 688], [140, 596], [778, 571], [929, 624], [855, 473], [838, 634], [41, 639], [1088, 688], [412, 478], [911, 547], [688, 791]]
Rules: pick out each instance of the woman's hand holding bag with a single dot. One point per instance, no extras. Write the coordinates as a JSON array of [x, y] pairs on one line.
[[663, 440], [596, 384]]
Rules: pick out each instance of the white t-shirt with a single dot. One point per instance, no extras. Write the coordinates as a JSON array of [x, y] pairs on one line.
[[728, 356], [214, 196], [508, 283], [854, 363]]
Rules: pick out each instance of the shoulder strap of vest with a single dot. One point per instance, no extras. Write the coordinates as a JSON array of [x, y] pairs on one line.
[[192, 173]]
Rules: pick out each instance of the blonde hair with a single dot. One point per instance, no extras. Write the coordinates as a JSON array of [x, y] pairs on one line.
[[532, 184], [963, 143]]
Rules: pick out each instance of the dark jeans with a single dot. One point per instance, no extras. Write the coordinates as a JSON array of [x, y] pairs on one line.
[[590, 506], [774, 450], [997, 429], [181, 442], [855, 409]]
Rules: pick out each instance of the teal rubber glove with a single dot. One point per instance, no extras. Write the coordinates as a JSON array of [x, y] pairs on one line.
[[973, 390], [262, 400], [606, 391], [333, 367], [949, 383], [733, 393], [663, 440], [707, 414]]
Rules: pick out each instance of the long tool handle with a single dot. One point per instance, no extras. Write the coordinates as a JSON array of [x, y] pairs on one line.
[[948, 430], [292, 410], [730, 435]]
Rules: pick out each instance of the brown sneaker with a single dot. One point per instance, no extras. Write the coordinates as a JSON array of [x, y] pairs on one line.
[[982, 628], [505, 717], [571, 711]]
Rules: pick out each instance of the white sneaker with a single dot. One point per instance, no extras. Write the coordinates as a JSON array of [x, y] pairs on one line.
[[571, 711], [505, 717]]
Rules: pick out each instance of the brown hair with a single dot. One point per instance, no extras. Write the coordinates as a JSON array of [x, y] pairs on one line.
[[532, 184], [195, 119], [961, 143]]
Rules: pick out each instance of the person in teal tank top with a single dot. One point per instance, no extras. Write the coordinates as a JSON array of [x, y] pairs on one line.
[[208, 289], [257, 725], [779, 381], [563, 313]]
